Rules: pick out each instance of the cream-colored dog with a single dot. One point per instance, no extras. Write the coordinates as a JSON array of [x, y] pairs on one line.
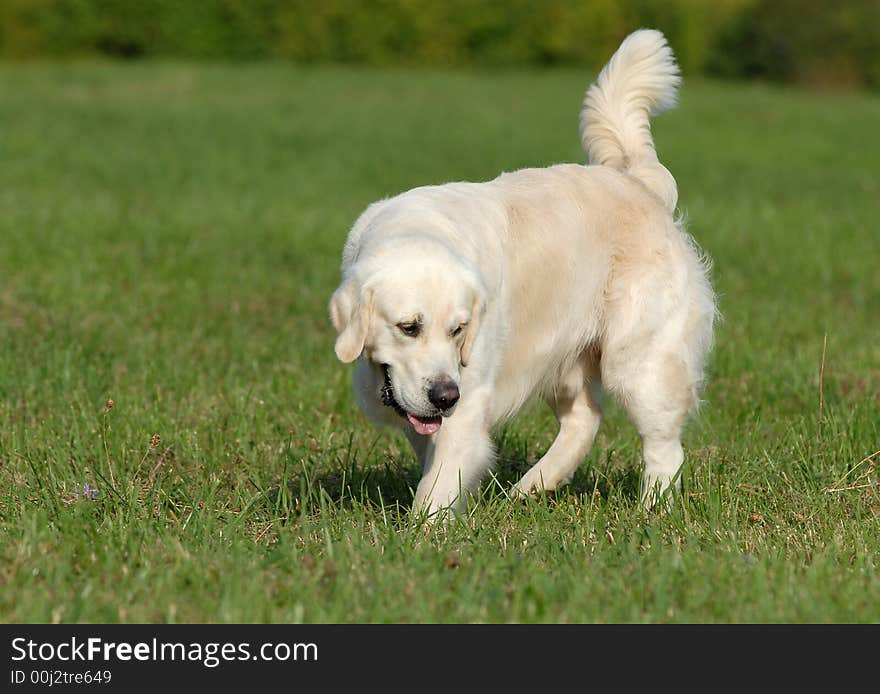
[[463, 301]]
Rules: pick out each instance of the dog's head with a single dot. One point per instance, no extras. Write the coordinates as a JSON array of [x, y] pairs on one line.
[[413, 316]]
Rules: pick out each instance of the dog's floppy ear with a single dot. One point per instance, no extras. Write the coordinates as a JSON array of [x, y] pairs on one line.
[[473, 327], [351, 310]]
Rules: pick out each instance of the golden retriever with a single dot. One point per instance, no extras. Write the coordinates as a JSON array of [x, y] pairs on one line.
[[462, 301]]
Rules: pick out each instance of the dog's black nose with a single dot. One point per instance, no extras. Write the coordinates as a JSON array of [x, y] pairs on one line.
[[443, 394]]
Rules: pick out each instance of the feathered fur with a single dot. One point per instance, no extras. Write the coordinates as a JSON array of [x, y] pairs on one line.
[[640, 80]]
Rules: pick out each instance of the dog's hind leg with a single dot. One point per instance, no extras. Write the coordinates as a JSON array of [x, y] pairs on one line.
[[657, 392], [576, 405]]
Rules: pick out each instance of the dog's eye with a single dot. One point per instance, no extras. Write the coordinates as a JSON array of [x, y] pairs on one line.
[[410, 329], [457, 331]]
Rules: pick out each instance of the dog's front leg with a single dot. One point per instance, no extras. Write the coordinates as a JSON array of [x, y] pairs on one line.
[[455, 460], [419, 444]]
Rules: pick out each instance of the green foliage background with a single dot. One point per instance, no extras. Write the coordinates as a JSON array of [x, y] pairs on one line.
[[811, 41]]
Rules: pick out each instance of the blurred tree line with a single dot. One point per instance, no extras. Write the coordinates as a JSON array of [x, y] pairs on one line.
[[806, 41]]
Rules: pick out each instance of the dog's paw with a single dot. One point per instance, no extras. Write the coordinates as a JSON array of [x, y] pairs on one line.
[[529, 487], [517, 493]]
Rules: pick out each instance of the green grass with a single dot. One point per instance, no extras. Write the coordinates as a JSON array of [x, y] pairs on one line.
[[169, 237]]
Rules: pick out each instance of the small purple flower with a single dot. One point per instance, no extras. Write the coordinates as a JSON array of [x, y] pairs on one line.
[[89, 492]]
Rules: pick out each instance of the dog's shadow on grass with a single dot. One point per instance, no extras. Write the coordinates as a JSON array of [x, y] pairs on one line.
[[386, 484], [391, 482]]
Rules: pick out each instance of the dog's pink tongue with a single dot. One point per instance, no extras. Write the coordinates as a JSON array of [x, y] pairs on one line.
[[425, 425]]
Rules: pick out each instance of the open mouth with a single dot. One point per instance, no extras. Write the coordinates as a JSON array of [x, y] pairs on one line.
[[424, 426]]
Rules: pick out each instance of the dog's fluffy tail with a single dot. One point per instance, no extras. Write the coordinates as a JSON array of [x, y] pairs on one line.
[[640, 80]]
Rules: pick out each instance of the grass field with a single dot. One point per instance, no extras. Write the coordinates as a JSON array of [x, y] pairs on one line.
[[169, 237]]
